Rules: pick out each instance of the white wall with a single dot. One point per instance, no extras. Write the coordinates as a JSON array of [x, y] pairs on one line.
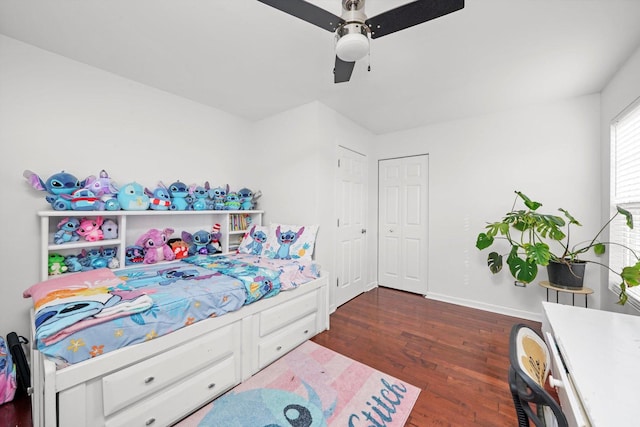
[[620, 92], [297, 152], [59, 114], [550, 152]]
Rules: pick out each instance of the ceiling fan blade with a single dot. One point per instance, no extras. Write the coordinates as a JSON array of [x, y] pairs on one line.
[[307, 12], [410, 14], [342, 70]]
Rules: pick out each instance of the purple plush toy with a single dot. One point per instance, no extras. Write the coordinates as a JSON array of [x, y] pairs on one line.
[[155, 245]]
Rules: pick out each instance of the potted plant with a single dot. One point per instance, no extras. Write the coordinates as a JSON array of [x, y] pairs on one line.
[[528, 234]]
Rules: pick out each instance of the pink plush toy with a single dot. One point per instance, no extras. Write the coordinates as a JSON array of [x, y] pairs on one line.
[[155, 245], [90, 229]]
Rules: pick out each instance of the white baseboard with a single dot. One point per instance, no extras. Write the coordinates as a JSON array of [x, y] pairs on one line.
[[537, 317]]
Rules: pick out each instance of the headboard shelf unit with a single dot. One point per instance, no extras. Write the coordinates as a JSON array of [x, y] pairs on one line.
[[132, 224]]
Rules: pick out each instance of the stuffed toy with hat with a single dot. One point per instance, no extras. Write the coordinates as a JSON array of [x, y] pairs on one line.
[[216, 235]]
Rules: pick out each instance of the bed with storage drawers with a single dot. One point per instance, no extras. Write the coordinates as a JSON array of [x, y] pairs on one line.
[[156, 380]]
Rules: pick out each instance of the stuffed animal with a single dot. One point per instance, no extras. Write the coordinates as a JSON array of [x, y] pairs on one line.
[[105, 189], [56, 264], [90, 229], [232, 201], [216, 235], [73, 264], [248, 198], [59, 187], [179, 247], [111, 203], [109, 254], [84, 200], [210, 195], [199, 242], [219, 196], [179, 193], [159, 199], [155, 245], [84, 260], [131, 197], [96, 260], [200, 196], [133, 255], [109, 229], [67, 231]]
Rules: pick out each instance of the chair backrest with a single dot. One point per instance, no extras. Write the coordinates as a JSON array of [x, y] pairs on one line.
[[530, 360]]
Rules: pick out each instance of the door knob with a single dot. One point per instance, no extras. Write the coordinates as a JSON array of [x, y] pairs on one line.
[[363, 231]]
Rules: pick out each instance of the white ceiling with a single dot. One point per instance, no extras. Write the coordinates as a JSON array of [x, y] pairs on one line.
[[251, 60]]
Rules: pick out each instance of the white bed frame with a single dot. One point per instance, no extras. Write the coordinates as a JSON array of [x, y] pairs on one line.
[[159, 382]]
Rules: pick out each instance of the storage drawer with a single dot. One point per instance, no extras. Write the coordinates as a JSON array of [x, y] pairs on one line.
[[167, 407], [284, 314], [124, 387], [279, 343]]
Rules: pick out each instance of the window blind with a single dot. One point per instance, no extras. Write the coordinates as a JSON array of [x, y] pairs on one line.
[[625, 191]]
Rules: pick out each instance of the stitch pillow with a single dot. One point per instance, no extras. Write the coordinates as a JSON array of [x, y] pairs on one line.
[[291, 241], [254, 240]]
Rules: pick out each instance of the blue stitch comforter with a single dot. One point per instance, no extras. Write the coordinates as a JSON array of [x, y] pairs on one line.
[[169, 296]]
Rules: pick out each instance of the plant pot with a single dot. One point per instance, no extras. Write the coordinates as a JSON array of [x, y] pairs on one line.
[[566, 275]]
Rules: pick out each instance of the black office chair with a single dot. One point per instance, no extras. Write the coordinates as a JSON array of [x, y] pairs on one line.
[[528, 371]]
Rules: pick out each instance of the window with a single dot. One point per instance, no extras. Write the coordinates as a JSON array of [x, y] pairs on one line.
[[625, 191]]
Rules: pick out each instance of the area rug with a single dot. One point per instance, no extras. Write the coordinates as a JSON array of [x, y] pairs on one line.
[[311, 386]]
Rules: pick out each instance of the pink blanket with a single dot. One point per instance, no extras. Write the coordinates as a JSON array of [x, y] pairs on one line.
[[75, 301]]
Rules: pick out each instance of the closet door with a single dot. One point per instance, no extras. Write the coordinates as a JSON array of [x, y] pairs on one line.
[[402, 224]]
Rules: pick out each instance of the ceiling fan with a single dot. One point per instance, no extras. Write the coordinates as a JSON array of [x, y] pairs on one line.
[[353, 29]]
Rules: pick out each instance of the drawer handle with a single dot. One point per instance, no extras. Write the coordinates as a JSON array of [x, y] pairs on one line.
[[149, 380], [150, 421], [555, 382], [210, 386], [278, 348]]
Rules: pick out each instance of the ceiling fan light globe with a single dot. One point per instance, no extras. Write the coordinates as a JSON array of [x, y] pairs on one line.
[[352, 47]]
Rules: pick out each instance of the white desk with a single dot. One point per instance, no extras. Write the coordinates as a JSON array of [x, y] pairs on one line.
[[601, 354]]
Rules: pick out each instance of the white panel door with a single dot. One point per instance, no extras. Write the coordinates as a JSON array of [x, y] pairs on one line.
[[351, 250], [389, 172], [402, 224]]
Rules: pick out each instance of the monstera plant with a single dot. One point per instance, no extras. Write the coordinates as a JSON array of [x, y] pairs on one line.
[[528, 234]]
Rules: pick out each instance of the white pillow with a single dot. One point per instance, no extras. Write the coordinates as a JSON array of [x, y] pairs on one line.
[[254, 240], [291, 241]]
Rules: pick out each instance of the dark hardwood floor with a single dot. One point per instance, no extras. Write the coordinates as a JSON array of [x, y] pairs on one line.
[[458, 356], [16, 413]]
